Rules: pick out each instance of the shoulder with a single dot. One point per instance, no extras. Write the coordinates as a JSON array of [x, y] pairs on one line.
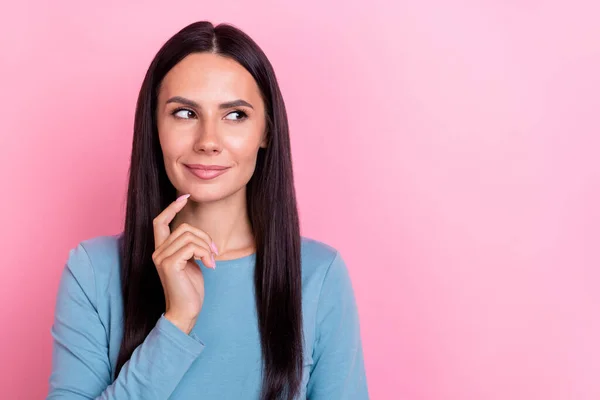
[[321, 263], [94, 264], [101, 248], [327, 292], [315, 251]]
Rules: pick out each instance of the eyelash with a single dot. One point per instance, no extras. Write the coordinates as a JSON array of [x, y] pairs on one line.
[[242, 114]]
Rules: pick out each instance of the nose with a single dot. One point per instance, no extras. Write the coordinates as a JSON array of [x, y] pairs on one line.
[[207, 140]]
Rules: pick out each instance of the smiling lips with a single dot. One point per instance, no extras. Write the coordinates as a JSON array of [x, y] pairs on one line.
[[206, 172]]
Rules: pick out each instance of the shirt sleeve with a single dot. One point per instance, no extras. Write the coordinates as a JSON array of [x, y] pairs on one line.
[[81, 368], [338, 370]]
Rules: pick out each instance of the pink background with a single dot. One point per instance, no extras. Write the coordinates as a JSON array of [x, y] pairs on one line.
[[448, 149]]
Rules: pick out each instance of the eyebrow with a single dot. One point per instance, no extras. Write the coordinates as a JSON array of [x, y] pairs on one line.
[[191, 103]]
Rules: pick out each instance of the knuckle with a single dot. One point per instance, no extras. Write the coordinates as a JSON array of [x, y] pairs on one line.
[[167, 263]]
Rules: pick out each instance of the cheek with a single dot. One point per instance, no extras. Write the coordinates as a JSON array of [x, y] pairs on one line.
[[243, 151], [243, 154], [174, 143]]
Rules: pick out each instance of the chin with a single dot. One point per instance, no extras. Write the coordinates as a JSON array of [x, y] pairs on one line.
[[201, 196]]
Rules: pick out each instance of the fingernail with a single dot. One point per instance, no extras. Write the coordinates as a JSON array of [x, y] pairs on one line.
[[213, 261], [182, 197], [213, 246]]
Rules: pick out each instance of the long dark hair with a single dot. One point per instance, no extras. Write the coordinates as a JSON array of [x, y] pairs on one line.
[[271, 202]]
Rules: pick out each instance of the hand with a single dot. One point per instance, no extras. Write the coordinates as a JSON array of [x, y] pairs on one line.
[[181, 277]]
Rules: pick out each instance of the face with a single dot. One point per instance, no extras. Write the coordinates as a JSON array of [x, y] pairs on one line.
[[210, 112]]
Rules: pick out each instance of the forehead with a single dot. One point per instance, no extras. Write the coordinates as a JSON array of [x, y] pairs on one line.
[[208, 77]]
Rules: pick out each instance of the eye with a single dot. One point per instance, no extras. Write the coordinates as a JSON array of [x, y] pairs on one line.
[[183, 113], [242, 115]]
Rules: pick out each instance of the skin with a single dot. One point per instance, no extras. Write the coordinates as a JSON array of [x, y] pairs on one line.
[[209, 135], [194, 127]]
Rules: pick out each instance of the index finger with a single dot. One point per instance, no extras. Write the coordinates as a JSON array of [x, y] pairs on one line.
[[162, 221]]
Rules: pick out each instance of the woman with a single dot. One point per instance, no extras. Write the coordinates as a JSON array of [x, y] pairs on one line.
[[214, 295]]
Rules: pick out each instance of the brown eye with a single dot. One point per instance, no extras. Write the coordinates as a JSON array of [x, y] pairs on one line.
[[183, 113], [242, 115]]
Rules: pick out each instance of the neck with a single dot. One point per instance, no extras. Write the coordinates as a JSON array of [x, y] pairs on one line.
[[226, 221]]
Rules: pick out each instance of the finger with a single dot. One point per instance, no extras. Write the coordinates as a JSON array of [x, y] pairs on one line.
[[191, 250], [185, 227], [161, 222], [175, 243]]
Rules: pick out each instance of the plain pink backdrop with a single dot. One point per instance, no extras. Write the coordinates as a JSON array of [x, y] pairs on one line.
[[449, 149]]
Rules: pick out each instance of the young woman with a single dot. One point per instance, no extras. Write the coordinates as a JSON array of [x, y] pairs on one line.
[[209, 292]]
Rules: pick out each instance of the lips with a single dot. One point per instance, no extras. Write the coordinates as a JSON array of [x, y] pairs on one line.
[[206, 172], [206, 167]]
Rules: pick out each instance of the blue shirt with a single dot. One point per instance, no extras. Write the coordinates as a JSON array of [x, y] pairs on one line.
[[221, 357]]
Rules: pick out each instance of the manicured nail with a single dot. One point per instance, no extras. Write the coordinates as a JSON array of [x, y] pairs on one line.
[[213, 246], [213, 261], [182, 197]]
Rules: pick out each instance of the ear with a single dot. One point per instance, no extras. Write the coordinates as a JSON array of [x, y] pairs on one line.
[[265, 141]]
